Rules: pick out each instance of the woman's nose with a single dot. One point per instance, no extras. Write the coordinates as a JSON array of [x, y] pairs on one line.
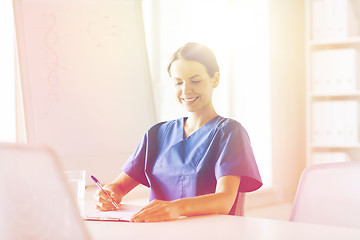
[[187, 88]]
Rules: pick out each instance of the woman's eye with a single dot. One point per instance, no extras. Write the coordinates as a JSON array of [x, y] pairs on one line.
[[178, 83], [196, 81]]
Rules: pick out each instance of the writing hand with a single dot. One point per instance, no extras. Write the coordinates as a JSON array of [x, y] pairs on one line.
[[103, 202]]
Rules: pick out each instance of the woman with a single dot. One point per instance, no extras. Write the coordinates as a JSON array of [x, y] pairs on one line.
[[193, 165]]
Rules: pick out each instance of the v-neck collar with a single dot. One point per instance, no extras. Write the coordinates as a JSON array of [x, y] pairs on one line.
[[204, 128]]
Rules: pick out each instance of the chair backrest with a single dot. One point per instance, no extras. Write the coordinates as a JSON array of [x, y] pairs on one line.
[[36, 202], [329, 194]]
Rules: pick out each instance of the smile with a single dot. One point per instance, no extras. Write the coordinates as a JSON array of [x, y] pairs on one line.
[[189, 100]]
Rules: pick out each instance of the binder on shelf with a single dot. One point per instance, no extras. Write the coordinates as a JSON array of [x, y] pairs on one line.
[[318, 21], [337, 112], [351, 122], [317, 126], [329, 28], [328, 123], [316, 72], [346, 69], [344, 19]]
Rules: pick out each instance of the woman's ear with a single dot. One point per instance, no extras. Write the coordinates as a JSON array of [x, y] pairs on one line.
[[216, 79]]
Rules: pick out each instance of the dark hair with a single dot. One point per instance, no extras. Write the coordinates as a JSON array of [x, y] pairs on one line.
[[199, 53]]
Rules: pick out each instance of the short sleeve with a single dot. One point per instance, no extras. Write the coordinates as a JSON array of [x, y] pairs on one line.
[[237, 158], [135, 165]]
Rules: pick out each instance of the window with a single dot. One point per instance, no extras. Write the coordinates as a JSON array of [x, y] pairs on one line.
[[237, 32]]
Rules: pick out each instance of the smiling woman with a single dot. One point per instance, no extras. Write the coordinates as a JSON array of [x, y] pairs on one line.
[[193, 165]]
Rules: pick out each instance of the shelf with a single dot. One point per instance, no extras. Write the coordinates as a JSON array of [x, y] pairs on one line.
[[336, 94], [332, 101], [347, 146], [324, 43]]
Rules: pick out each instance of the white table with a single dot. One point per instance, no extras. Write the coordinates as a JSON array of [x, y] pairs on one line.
[[220, 227]]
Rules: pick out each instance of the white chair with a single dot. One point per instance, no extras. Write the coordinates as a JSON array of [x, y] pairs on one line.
[[329, 194], [36, 202]]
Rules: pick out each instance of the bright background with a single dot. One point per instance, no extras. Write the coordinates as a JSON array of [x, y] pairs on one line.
[[260, 49]]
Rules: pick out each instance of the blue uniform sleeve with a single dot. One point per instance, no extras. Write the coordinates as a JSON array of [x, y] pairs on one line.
[[135, 165], [237, 158]]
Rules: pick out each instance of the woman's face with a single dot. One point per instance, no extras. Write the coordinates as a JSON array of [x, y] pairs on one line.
[[193, 85]]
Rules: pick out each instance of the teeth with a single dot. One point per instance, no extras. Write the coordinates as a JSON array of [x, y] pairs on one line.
[[189, 99]]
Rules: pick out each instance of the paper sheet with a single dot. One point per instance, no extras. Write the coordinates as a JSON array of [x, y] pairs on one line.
[[124, 214]]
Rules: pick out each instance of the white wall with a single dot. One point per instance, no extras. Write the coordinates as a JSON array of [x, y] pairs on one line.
[[287, 74]]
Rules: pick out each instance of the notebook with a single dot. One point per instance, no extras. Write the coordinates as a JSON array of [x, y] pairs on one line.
[[36, 202]]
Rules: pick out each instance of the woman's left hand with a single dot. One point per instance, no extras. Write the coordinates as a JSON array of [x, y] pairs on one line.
[[157, 211]]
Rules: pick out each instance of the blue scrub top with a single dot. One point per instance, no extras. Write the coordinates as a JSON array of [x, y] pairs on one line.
[[174, 167]]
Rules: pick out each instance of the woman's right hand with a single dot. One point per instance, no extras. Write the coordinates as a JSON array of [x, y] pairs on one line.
[[103, 202]]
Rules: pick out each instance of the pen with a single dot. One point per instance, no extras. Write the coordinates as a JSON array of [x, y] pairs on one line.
[[102, 189]]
